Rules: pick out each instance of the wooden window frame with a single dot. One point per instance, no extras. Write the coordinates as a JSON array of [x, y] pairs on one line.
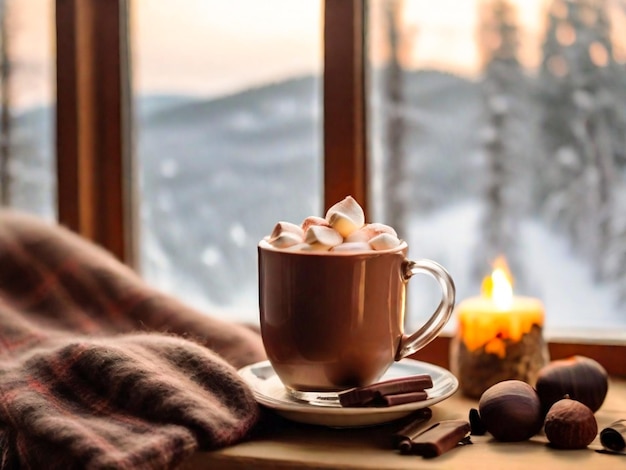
[[345, 144], [93, 134], [93, 143]]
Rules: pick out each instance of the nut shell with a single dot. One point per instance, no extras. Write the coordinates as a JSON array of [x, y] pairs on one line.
[[511, 411], [476, 424], [578, 377], [570, 425]]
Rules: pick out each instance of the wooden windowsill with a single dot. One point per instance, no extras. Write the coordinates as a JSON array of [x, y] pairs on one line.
[[608, 353], [296, 446]]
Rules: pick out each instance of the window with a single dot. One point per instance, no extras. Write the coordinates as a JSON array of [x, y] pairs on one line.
[[27, 169], [228, 117], [344, 150], [495, 136]]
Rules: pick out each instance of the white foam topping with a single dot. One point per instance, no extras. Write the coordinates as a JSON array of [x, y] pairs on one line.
[[342, 230]]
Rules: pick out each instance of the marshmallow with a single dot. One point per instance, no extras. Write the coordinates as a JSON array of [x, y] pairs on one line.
[[313, 220], [346, 216], [286, 227], [342, 230], [326, 236], [355, 246], [308, 248], [384, 241], [285, 240], [377, 228], [369, 231]]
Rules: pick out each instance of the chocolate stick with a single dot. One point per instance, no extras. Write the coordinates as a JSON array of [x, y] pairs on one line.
[[478, 428], [362, 396], [402, 438], [613, 437], [439, 438], [400, 398]]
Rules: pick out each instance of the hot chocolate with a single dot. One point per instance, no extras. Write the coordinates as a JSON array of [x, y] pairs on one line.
[[332, 300], [331, 322]]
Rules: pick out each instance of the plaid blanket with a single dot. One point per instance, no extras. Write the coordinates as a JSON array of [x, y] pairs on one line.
[[98, 370]]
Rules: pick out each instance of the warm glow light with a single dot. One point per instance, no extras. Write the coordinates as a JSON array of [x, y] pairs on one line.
[[499, 285], [598, 54], [502, 293], [496, 319]]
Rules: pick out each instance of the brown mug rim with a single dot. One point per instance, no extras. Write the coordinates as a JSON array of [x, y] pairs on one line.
[[265, 245]]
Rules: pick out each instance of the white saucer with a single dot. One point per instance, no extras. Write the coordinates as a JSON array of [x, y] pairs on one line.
[[269, 391]]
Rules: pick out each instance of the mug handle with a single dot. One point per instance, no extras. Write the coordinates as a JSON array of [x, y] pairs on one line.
[[430, 330]]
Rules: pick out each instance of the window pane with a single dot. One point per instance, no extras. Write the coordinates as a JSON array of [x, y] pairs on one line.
[[498, 129], [228, 107], [27, 168]]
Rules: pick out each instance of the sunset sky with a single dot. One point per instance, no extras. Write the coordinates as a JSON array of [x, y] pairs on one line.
[[212, 47]]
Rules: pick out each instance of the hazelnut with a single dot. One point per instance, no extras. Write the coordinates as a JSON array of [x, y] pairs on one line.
[[579, 377], [570, 425], [511, 411]]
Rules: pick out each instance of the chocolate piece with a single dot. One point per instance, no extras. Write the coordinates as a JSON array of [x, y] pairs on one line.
[[400, 398], [402, 438], [614, 437], [364, 396], [440, 438], [477, 425]]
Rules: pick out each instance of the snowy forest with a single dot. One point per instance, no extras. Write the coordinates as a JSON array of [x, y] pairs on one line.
[[560, 134], [551, 144], [556, 141]]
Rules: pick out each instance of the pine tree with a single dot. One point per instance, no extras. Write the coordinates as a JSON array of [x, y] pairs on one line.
[[506, 148], [396, 184], [5, 109], [581, 126], [560, 161], [614, 264]]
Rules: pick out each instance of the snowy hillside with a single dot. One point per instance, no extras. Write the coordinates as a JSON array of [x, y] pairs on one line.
[[218, 174]]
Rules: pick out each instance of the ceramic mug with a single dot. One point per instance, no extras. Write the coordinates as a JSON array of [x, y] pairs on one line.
[[335, 320]]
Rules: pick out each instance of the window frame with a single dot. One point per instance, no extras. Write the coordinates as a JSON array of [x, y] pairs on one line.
[[95, 171], [93, 128], [344, 98]]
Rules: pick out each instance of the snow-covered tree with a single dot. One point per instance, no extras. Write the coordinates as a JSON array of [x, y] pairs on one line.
[[507, 148], [582, 127], [615, 259], [397, 194], [5, 108]]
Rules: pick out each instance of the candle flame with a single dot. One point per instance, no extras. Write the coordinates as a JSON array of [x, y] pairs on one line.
[[499, 285]]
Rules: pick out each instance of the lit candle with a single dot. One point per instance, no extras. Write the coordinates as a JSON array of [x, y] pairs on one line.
[[497, 315], [495, 338]]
